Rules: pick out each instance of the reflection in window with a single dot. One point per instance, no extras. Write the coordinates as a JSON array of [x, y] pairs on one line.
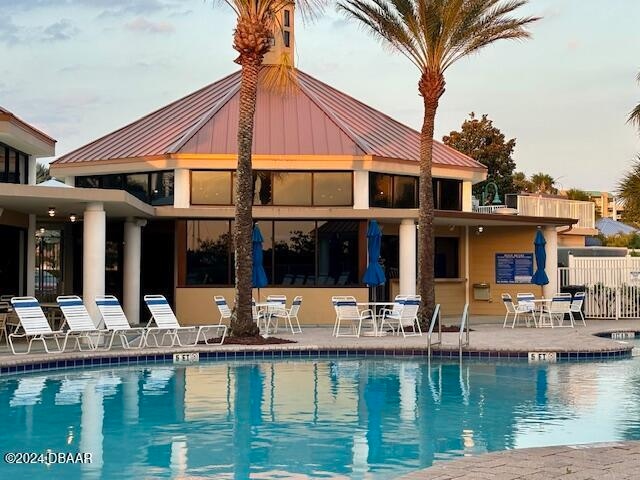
[[294, 253], [211, 187], [208, 248], [13, 165], [449, 194], [337, 252], [138, 186], [404, 192], [333, 188], [162, 188], [446, 257], [380, 190], [291, 188], [112, 181], [88, 182], [13, 172]]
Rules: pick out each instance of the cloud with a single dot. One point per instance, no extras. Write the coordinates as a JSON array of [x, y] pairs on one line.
[[142, 25], [573, 44], [9, 31], [60, 30]]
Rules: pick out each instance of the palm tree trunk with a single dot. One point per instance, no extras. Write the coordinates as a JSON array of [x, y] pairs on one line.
[[431, 88], [242, 322]]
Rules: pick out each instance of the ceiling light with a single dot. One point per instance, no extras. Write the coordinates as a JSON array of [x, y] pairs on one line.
[[52, 211], [73, 217]]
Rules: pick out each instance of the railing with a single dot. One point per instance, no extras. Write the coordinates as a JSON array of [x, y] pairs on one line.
[[464, 328], [435, 317], [539, 206]]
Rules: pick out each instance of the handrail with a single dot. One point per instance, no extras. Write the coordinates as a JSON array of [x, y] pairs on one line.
[[434, 317], [464, 327]]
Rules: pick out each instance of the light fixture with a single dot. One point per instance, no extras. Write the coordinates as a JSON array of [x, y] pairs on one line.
[[52, 211], [73, 217], [42, 230], [480, 230]]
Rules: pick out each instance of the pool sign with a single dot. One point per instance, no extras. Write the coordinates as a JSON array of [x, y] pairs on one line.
[[514, 267], [186, 357], [548, 357]]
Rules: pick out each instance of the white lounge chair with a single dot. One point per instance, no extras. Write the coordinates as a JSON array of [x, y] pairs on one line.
[[223, 308], [79, 322], [116, 322], [576, 307], [403, 314], [34, 326], [347, 311], [167, 324]]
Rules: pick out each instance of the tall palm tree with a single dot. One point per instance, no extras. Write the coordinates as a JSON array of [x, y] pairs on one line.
[[433, 35], [252, 39], [629, 192], [634, 116], [543, 183]]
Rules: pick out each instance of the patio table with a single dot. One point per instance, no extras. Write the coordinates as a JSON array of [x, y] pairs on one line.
[[269, 308], [377, 331]]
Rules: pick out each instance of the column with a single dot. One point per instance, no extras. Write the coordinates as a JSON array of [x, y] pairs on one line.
[[131, 276], [31, 168], [467, 197], [181, 188], [91, 436], [93, 264], [31, 257], [551, 267], [361, 189], [70, 180], [407, 257]]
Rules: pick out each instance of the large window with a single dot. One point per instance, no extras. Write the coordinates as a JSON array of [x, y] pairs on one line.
[[401, 191], [446, 257], [302, 253], [13, 165], [275, 188], [155, 188]]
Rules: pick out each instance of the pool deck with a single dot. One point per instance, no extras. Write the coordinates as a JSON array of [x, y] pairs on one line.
[[487, 340], [596, 461]]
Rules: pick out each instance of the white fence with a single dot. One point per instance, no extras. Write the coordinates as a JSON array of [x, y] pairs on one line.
[[535, 206], [612, 285]]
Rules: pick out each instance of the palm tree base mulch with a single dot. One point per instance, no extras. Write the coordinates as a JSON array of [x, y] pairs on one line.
[[256, 340]]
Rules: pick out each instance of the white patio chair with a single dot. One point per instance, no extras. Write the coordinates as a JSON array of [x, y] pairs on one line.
[[404, 313], [116, 322], [347, 310], [4, 313], [167, 324], [559, 306], [509, 306], [391, 316], [526, 307], [223, 308], [276, 308], [576, 306], [293, 314], [334, 301], [34, 326], [79, 322]]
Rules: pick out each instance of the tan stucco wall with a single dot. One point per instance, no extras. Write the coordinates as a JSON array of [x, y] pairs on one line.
[[449, 294], [482, 251], [14, 219], [194, 306], [570, 241]]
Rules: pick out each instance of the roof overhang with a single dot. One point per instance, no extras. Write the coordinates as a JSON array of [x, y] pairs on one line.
[[34, 199], [22, 136]]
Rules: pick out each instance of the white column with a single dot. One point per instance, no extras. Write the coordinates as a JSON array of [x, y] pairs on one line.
[[361, 189], [93, 257], [31, 180], [91, 437], [407, 257], [467, 195], [31, 256], [131, 277], [181, 188], [70, 180], [551, 267]]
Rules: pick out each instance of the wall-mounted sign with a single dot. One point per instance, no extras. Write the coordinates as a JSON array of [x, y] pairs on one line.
[[514, 267]]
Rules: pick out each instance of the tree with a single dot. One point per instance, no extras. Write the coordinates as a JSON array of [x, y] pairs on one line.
[[42, 173], [629, 191], [433, 35], [543, 183], [486, 144], [520, 183], [252, 39], [634, 116], [577, 194]]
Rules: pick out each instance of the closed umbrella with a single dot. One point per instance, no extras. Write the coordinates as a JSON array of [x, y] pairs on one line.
[[374, 275], [258, 276], [540, 276]]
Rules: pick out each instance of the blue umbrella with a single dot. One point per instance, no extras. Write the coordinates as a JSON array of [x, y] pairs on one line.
[[374, 275], [258, 276], [540, 277]]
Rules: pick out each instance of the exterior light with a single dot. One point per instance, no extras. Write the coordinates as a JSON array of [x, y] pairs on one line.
[[52, 211], [73, 217], [480, 229], [42, 230]]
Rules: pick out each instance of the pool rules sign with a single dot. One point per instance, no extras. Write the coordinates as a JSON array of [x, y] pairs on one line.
[[514, 267]]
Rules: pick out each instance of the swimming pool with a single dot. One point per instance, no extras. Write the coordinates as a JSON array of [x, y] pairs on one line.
[[355, 418]]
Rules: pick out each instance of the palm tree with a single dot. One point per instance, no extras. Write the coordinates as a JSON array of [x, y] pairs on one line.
[[543, 183], [433, 35], [634, 116], [42, 173], [252, 39], [629, 191]]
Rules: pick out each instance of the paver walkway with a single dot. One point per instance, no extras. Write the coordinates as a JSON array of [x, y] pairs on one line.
[[597, 461]]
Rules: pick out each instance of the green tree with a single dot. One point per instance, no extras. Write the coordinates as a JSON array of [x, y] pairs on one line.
[[543, 183], [577, 194], [485, 143], [42, 173], [433, 35], [629, 191], [521, 183]]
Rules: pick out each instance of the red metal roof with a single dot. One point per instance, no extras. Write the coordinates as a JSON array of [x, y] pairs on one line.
[[315, 119], [6, 113]]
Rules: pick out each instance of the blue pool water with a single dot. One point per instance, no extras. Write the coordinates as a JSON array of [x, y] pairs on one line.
[[366, 418]]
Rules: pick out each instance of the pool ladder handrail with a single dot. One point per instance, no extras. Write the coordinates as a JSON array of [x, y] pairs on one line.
[[434, 317], [463, 340]]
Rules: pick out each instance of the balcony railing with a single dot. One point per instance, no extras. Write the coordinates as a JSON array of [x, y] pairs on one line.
[[538, 206]]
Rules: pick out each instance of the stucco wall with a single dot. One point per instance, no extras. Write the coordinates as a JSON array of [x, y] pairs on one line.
[[194, 306], [449, 294], [14, 219]]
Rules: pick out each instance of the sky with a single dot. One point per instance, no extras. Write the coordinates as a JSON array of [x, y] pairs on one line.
[[78, 69]]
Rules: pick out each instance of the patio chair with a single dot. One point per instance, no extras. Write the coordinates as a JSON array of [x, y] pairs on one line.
[[116, 322], [4, 313], [334, 301], [276, 309], [404, 314], [288, 314], [526, 307], [347, 311], [167, 324], [223, 308], [34, 326], [559, 306], [79, 322], [391, 316], [576, 307]]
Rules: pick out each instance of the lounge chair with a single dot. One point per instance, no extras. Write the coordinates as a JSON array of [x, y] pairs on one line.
[[223, 308], [167, 324], [35, 326], [116, 322], [576, 306], [347, 311], [79, 322], [403, 314]]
